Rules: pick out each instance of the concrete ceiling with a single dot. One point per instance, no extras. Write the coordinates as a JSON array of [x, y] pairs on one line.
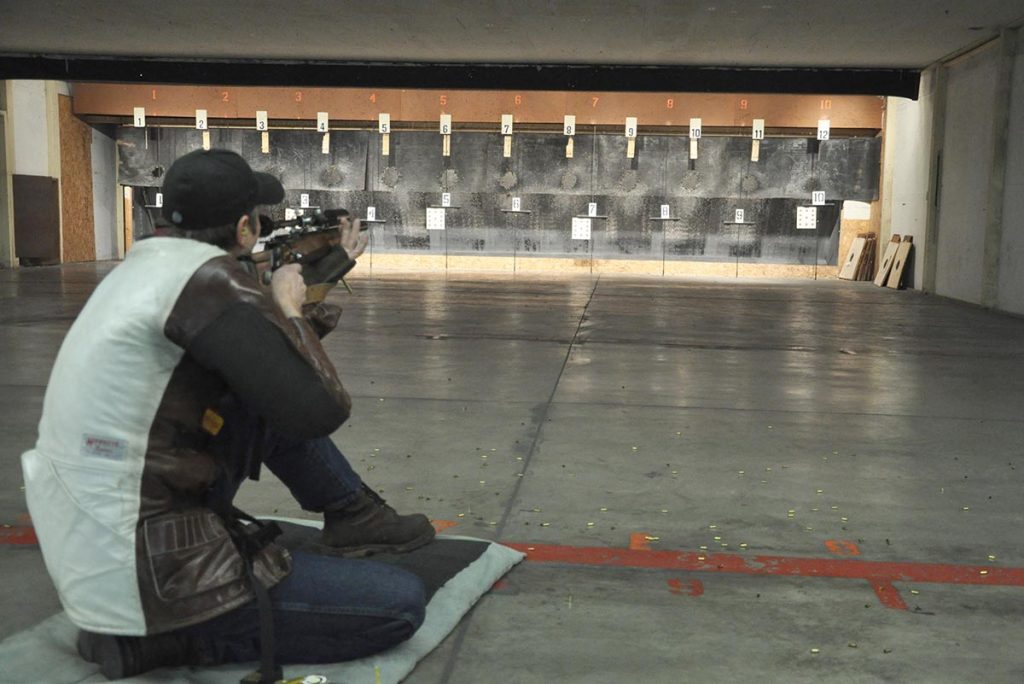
[[909, 34]]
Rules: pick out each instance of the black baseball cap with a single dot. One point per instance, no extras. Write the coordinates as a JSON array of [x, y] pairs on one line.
[[208, 188]]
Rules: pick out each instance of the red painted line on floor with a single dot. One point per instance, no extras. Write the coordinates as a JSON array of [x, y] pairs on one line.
[[880, 575], [841, 547], [638, 542], [696, 587], [938, 573], [888, 595], [442, 525], [18, 535]]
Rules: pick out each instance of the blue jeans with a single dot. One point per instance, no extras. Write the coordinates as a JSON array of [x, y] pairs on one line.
[[328, 609], [318, 476]]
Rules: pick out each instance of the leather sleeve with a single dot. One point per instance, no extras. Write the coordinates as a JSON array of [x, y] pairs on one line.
[[323, 317], [275, 365]]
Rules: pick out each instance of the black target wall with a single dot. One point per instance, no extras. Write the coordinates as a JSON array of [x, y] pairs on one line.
[[703, 195]]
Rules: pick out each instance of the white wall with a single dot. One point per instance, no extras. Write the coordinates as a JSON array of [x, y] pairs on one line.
[[1011, 255], [104, 191], [966, 165], [33, 128], [908, 153], [27, 109]]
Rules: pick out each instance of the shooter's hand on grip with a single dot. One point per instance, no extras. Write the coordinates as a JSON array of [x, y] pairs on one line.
[[353, 238], [289, 290]]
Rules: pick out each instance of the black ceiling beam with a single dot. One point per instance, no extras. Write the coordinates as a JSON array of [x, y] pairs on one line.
[[620, 78]]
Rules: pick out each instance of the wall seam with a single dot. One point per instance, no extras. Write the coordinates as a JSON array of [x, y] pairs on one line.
[[8, 258], [938, 135], [886, 178], [52, 113], [997, 171]]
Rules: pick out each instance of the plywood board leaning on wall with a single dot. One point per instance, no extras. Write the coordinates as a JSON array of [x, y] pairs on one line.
[[860, 260], [899, 266], [887, 261], [866, 265], [849, 268], [852, 262], [857, 220]]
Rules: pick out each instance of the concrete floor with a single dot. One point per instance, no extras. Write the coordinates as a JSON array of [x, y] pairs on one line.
[[730, 420]]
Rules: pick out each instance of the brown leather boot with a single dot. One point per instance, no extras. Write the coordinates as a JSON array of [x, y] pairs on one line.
[[122, 656], [368, 525]]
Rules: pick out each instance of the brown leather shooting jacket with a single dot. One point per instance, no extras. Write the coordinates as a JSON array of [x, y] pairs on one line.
[[116, 483]]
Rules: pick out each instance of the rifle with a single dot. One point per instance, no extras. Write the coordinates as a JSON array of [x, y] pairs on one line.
[[312, 240]]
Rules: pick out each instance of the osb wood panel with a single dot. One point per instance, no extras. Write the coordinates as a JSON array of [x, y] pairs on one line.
[[482, 106], [413, 262], [436, 264], [787, 271], [480, 263], [127, 210], [76, 185], [631, 266]]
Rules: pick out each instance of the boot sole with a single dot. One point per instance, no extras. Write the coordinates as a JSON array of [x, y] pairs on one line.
[[102, 651], [371, 549], [87, 647]]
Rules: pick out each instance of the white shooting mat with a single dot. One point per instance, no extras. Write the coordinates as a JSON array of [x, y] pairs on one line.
[[47, 653]]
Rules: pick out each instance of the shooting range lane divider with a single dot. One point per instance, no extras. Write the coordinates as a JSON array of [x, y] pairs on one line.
[[880, 575]]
